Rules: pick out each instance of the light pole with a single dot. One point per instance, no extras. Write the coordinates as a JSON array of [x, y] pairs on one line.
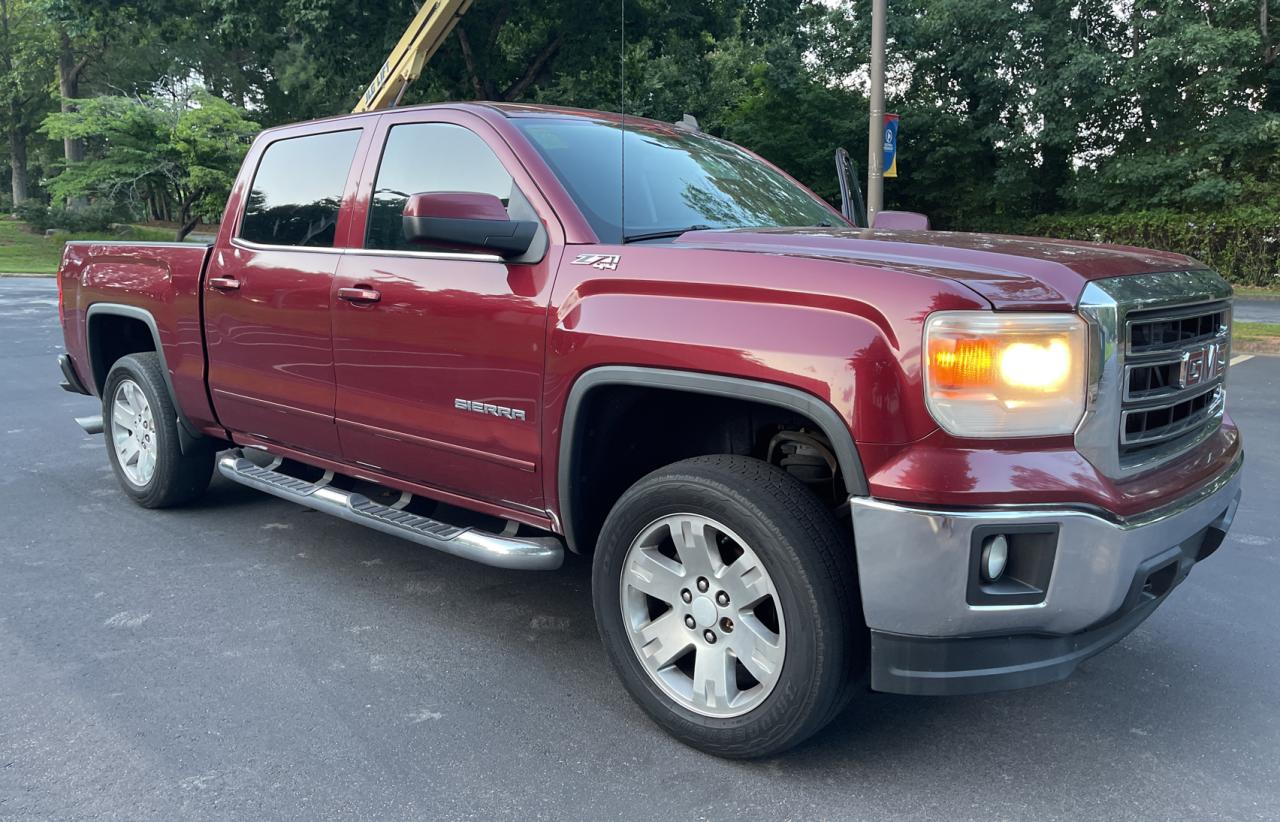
[[875, 129]]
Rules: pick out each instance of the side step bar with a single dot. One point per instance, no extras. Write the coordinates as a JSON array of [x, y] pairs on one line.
[[518, 553], [91, 425]]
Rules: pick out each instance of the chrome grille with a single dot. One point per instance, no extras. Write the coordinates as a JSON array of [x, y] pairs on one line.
[[1176, 363], [1158, 369], [1177, 329]]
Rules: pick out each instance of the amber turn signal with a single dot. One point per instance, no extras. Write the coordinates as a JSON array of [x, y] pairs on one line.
[[1005, 375]]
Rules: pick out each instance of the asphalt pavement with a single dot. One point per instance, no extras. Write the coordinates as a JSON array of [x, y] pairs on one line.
[[1256, 311], [248, 659]]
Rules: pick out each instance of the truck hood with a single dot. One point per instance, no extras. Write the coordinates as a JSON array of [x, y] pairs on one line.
[[1010, 272]]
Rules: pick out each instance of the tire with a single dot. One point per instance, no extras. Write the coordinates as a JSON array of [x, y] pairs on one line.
[[805, 639], [137, 411]]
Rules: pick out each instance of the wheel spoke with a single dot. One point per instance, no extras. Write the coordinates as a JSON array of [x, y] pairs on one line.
[[757, 648], [122, 416], [695, 545], [129, 451], [655, 575], [714, 683], [130, 395], [664, 640], [746, 582]]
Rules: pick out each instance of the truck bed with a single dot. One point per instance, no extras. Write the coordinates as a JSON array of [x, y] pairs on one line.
[[161, 279]]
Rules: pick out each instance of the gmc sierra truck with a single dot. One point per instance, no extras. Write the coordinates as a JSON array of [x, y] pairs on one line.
[[805, 456]]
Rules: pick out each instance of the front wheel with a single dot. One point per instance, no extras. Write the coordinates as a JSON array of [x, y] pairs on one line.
[[726, 596], [141, 428]]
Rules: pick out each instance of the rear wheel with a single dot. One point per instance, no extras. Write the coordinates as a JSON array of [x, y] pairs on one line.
[[141, 429], [726, 597]]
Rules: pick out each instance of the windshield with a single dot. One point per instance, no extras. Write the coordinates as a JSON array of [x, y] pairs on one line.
[[674, 180]]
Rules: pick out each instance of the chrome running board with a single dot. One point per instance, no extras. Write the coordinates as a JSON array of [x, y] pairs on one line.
[[91, 425], [518, 553]]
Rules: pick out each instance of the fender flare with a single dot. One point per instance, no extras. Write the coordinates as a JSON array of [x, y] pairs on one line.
[[188, 434], [781, 396]]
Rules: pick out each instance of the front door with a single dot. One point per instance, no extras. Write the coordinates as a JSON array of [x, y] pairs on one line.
[[439, 375], [268, 296]]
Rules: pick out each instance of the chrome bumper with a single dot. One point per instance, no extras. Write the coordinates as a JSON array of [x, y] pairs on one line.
[[915, 564]]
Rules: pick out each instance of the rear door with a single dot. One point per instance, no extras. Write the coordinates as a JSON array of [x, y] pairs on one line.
[[268, 292], [439, 380]]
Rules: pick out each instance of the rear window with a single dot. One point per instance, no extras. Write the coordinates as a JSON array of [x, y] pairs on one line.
[[297, 190]]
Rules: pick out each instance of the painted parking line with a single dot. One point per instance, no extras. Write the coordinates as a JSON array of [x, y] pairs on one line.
[[1241, 358]]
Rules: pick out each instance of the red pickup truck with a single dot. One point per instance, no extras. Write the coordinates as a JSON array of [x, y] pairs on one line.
[[805, 456]]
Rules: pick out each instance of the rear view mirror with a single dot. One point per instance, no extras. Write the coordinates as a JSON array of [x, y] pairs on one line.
[[902, 221], [466, 219]]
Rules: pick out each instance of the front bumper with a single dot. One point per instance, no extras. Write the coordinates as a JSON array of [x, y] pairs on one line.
[[932, 634]]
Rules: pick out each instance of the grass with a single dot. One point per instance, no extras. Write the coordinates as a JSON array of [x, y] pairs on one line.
[[1257, 338], [24, 252]]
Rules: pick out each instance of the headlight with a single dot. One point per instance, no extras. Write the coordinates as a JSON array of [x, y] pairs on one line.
[[989, 374]]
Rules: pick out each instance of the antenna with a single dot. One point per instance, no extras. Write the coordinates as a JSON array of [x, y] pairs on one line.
[[623, 110]]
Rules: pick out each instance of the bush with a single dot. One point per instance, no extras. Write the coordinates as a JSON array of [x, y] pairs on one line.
[[95, 217], [34, 214], [1242, 244]]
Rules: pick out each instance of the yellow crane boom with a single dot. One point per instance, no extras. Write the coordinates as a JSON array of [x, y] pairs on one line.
[[433, 22]]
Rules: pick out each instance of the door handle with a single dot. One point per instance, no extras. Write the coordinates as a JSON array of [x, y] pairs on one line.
[[361, 294], [224, 283]]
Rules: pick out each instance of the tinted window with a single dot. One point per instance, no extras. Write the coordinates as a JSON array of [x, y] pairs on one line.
[[297, 190], [423, 157], [674, 179]]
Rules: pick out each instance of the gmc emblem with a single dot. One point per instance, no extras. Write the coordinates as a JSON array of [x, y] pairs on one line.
[[1202, 365]]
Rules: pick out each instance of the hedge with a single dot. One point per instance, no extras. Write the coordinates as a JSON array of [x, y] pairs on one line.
[[1242, 245]]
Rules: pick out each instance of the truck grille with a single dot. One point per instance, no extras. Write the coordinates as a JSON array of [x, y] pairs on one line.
[[1176, 364], [1158, 387]]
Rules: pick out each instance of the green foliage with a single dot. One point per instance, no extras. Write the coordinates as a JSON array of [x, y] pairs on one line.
[[23, 251], [153, 153], [1009, 107], [95, 217], [1242, 244]]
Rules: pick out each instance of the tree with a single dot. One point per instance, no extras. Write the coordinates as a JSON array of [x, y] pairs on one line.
[[1194, 124], [25, 60], [178, 158]]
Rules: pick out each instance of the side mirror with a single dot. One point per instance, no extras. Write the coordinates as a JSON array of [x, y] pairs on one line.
[[466, 219], [902, 221]]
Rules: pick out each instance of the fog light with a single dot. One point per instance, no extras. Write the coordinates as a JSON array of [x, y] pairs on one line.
[[995, 556]]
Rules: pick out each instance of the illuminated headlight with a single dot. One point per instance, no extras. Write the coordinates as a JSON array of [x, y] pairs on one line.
[[994, 375]]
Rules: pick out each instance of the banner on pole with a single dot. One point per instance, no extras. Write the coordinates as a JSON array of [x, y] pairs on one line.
[[891, 145]]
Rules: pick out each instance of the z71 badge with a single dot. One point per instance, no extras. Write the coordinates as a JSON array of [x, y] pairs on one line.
[[490, 409], [604, 262]]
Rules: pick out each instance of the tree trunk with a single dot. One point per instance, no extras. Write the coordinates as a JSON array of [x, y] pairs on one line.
[[186, 222], [186, 228], [69, 70], [517, 88], [18, 161]]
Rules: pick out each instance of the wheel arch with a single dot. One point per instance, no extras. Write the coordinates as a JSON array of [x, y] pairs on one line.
[[101, 357], [784, 398]]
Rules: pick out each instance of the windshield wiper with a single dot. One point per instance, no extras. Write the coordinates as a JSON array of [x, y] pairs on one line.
[[662, 235]]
